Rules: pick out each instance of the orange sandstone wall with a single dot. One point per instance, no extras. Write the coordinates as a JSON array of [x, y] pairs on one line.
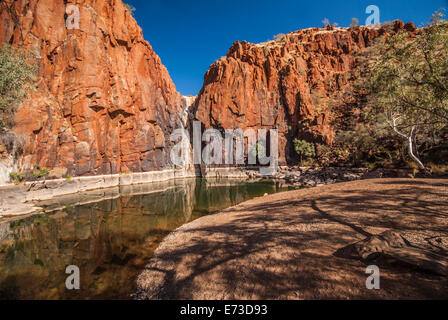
[[104, 102], [285, 83]]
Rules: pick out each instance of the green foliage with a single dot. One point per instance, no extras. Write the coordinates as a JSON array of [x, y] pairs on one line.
[[41, 172], [321, 102], [16, 177], [130, 8], [409, 77], [258, 150], [438, 18], [406, 81], [17, 72], [304, 150], [41, 220], [369, 143]]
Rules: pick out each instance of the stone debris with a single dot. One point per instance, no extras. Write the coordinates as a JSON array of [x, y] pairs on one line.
[[300, 177]]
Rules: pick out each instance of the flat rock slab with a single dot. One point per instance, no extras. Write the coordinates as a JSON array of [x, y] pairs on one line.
[[283, 246]]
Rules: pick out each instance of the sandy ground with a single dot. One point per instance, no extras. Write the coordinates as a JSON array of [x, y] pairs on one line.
[[282, 246]]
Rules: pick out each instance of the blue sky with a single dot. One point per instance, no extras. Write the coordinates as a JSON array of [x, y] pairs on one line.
[[190, 35]]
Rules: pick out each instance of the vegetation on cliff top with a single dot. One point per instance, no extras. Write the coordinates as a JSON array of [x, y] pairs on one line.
[[130, 8]]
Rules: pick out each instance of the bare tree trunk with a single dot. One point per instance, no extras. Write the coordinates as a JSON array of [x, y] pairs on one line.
[[411, 151], [409, 138]]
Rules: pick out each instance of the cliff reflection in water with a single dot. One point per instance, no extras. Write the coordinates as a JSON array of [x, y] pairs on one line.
[[110, 241]]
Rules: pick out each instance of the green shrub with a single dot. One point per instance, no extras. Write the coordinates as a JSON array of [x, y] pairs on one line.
[[17, 73], [258, 149], [304, 150], [16, 177], [405, 82], [41, 172]]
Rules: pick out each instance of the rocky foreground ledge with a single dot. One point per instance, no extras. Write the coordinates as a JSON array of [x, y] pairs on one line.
[[312, 244]]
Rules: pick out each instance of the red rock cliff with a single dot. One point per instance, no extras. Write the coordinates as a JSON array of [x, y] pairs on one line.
[[104, 102], [288, 83]]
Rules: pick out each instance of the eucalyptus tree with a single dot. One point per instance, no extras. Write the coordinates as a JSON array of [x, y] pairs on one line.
[[408, 80]]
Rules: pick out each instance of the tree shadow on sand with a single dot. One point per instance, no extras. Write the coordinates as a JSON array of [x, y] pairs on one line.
[[284, 249]]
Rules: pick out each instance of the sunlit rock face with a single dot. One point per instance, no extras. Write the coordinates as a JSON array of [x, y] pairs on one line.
[[292, 84], [104, 102]]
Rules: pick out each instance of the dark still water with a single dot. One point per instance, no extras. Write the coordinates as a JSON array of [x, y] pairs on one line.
[[109, 240]]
